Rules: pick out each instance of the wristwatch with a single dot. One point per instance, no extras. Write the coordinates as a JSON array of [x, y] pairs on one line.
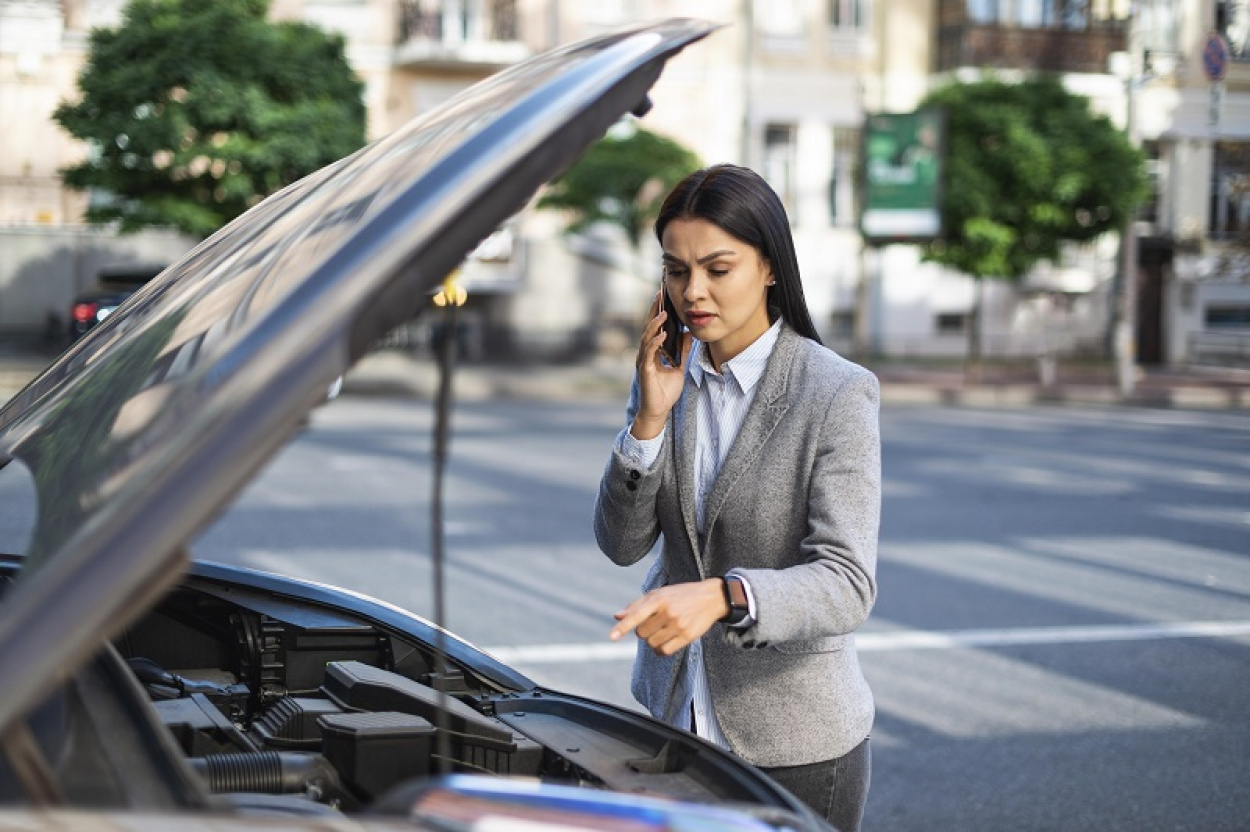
[[736, 598]]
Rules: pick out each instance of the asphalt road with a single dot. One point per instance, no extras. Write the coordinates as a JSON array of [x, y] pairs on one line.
[[1062, 639]]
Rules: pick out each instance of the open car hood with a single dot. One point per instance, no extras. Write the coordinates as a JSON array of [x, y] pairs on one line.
[[143, 432]]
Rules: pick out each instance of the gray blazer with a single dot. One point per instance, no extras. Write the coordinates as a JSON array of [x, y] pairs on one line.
[[795, 510]]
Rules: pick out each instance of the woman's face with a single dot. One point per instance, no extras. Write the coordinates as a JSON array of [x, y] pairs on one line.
[[718, 284]]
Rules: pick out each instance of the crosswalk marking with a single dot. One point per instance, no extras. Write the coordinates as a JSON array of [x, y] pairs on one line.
[[912, 640]]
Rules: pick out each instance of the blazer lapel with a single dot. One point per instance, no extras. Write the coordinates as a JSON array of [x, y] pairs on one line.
[[765, 413], [686, 415]]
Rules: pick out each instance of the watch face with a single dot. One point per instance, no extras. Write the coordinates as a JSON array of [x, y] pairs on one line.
[[736, 599]]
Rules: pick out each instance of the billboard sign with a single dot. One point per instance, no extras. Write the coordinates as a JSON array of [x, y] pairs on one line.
[[902, 176]]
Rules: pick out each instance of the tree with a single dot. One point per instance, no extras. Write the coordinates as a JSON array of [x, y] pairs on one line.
[[1029, 167], [195, 110], [621, 180]]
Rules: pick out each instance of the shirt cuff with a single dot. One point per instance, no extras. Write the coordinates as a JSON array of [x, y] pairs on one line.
[[641, 452], [751, 617]]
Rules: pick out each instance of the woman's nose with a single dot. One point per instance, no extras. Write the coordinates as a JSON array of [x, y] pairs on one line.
[[696, 286]]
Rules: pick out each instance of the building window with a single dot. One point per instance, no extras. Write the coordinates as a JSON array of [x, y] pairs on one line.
[[1227, 317], [951, 323], [779, 163], [1232, 20], [1073, 14], [1034, 14], [842, 191], [1149, 210], [1158, 26], [1230, 191], [849, 14], [982, 11], [779, 18], [1049, 14], [607, 12], [455, 23], [104, 14]]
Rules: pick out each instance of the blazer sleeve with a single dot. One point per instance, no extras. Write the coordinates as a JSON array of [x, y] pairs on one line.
[[831, 589], [626, 523]]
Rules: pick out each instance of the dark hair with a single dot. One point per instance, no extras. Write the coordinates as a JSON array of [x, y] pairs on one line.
[[741, 203]]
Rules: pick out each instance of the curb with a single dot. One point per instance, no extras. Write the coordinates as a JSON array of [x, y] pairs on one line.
[[395, 374], [1023, 395], [389, 375]]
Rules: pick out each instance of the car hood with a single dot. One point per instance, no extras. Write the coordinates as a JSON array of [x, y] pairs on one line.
[[140, 434]]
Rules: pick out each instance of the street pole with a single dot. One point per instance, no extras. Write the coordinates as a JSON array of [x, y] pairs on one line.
[[748, 43], [1125, 335], [1126, 323]]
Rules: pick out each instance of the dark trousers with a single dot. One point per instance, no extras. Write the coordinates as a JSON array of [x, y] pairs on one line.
[[836, 789]]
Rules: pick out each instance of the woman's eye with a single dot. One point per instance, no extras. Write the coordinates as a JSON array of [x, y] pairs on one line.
[[718, 272]]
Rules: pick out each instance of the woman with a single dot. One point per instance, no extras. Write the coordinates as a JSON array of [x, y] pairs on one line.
[[755, 455]]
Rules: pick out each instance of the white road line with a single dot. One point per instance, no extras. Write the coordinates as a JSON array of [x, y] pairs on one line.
[[911, 640], [954, 639]]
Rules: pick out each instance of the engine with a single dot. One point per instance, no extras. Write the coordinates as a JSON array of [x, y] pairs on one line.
[[270, 696]]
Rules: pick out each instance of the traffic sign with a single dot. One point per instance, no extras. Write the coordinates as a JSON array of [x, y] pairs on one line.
[[1215, 57]]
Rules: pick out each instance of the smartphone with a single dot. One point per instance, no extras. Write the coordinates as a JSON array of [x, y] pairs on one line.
[[672, 329]]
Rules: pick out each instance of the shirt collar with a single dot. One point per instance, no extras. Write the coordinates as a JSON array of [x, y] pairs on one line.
[[746, 367]]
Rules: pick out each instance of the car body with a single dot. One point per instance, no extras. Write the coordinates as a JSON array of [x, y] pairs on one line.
[[112, 286], [137, 683]]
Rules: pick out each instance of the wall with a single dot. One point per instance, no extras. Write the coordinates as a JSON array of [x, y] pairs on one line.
[[42, 268]]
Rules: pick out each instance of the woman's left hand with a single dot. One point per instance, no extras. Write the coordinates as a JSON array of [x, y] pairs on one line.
[[674, 616]]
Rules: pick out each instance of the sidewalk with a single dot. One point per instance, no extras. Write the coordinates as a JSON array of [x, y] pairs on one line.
[[1197, 387], [399, 373], [391, 373]]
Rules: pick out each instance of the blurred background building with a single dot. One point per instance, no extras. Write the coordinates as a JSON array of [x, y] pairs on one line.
[[784, 88]]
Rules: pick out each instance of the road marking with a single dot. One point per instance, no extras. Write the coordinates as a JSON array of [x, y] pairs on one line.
[[955, 639], [911, 640]]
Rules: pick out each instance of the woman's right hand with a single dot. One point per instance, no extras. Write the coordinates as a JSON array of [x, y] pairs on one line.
[[659, 383]]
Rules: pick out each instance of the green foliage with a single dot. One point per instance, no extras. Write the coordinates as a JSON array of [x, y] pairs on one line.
[[195, 110], [622, 180], [1028, 167]]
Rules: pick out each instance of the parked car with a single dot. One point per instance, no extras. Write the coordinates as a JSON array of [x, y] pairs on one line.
[[140, 688], [112, 285]]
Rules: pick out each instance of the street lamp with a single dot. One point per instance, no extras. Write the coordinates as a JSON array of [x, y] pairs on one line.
[[1134, 67], [1124, 66]]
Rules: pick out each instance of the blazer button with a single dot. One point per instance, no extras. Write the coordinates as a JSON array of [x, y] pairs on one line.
[[634, 475], [631, 485]]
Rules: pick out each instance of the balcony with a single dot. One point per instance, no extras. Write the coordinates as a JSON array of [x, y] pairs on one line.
[[458, 34], [990, 45]]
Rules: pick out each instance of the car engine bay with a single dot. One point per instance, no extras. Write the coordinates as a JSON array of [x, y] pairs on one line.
[[273, 695]]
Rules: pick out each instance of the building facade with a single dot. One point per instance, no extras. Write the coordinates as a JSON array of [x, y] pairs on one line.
[[784, 87]]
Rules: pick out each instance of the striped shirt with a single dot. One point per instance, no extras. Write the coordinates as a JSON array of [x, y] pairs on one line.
[[723, 401]]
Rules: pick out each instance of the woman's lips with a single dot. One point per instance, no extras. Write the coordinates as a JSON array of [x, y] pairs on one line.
[[699, 318]]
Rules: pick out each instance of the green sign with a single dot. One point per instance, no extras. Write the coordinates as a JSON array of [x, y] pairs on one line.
[[902, 176]]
